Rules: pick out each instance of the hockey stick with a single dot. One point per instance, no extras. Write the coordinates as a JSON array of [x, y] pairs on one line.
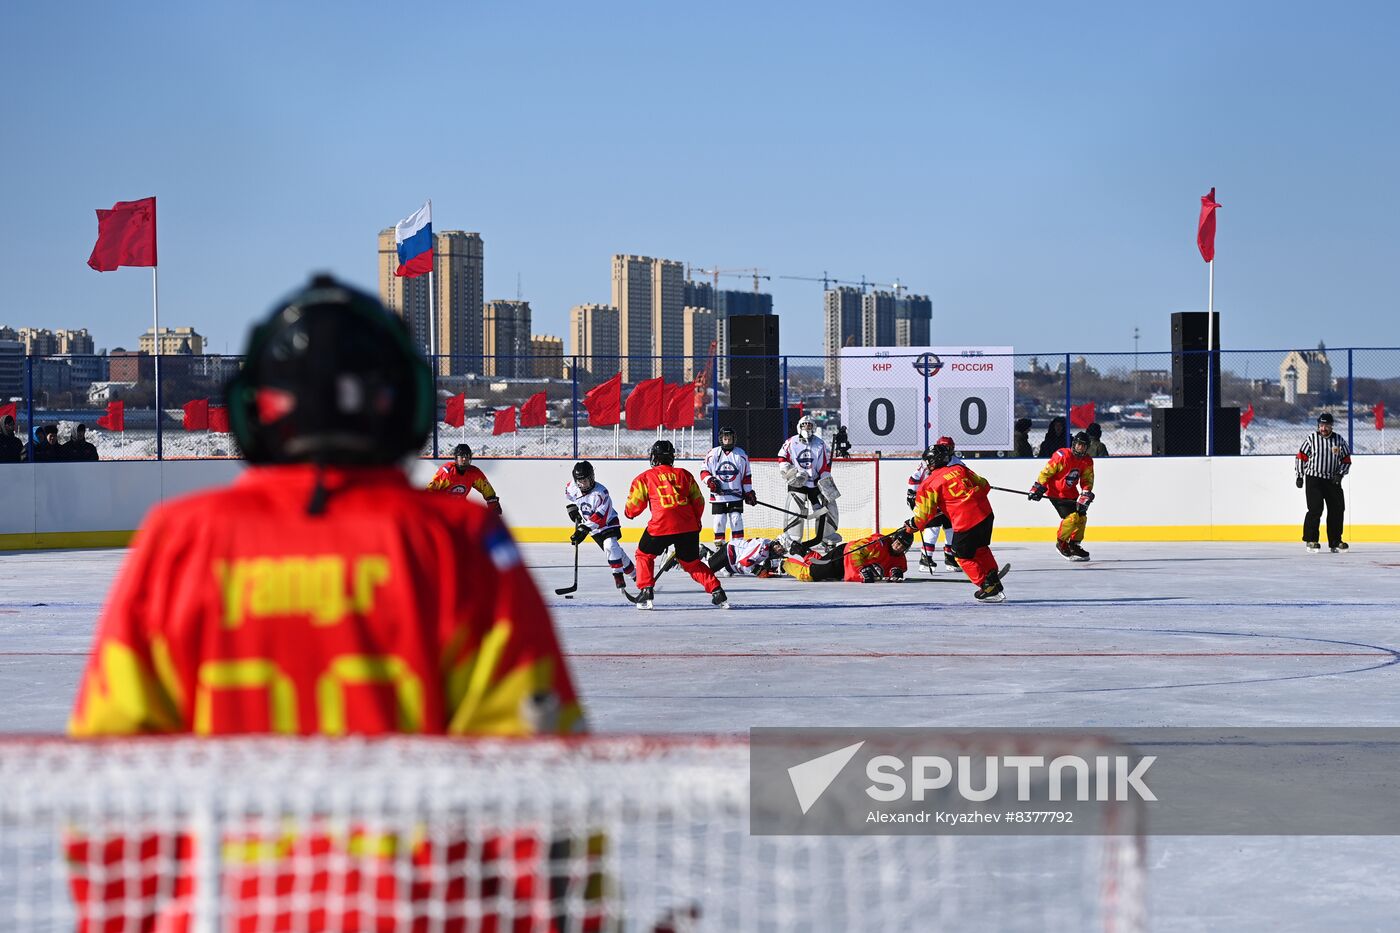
[[1023, 493], [566, 590], [814, 514]]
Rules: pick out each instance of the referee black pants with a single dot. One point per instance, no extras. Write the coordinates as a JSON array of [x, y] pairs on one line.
[[1322, 492]]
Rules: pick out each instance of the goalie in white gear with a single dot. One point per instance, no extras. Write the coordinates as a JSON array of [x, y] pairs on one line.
[[729, 480], [591, 510], [806, 468], [928, 560]]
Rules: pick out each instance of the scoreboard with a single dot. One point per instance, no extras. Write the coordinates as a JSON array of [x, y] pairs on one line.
[[970, 396]]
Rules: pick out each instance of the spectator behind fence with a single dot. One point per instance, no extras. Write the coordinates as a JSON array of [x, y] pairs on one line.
[[1054, 438], [78, 449], [1096, 444], [45, 446], [1021, 442], [11, 447]]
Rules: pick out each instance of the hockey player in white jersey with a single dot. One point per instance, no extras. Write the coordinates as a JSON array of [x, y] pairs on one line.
[[806, 468], [928, 560], [727, 476], [591, 510], [758, 557]]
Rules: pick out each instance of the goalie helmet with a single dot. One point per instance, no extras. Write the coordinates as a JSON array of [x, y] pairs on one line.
[[1080, 445], [331, 377], [663, 453], [938, 456], [583, 475], [806, 427], [727, 439]]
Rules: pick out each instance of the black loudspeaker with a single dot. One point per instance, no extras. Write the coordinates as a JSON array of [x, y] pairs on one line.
[[755, 367], [760, 431], [760, 392], [1190, 355], [753, 335], [1181, 432]]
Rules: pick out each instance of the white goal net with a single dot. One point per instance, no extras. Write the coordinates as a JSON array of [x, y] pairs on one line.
[[635, 834], [857, 480]]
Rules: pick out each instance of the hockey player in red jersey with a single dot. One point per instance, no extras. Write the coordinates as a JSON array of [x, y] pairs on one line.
[[960, 494], [460, 477], [321, 594], [1068, 480], [875, 558], [676, 504]]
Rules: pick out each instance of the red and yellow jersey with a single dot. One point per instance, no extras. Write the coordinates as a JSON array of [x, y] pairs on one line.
[[394, 611], [955, 491], [1066, 474], [673, 497], [448, 480], [872, 551]]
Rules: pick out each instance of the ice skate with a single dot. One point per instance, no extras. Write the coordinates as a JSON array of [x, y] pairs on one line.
[[645, 597], [1314, 547], [720, 599], [991, 590], [950, 561], [926, 563], [1078, 552], [1341, 546]]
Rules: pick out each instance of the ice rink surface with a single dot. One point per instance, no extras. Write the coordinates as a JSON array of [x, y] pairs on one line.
[[1221, 635]]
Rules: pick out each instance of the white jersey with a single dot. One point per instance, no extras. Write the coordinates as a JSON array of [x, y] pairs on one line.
[[732, 470], [595, 506], [811, 458], [918, 475], [749, 555]]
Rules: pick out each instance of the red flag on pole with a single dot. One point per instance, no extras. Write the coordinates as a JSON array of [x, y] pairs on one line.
[[197, 415], [456, 413], [1205, 227], [1081, 416], [1379, 413], [679, 408], [9, 410], [533, 413], [218, 419], [1247, 416], [604, 403], [644, 404], [126, 236], [505, 421], [115, 419]]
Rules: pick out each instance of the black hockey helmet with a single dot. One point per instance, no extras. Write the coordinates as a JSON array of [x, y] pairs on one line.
[[938, 456], [583, 473], [903, 536], [727, 432], [1080, 439], [331, 376], [663, 452]]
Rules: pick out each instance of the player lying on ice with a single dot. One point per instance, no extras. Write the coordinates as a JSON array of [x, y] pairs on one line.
[[756, 557], [955, 491], [872, 559]]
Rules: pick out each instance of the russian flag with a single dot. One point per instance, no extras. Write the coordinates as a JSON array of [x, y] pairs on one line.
[[414, 238]]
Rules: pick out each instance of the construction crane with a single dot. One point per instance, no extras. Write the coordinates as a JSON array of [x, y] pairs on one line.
[[827, 281], [738, 273]]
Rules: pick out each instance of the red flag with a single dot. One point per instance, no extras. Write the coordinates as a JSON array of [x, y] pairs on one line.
[[1205, 227], [197, 415], [644, 404], [126, 236], [533, 413], [1247, 416], [218, 419], [1378, 411], [9, 409], [1081, 416], [505, 421], [456, 414], [604, 403], [679, 409], [115, 419]]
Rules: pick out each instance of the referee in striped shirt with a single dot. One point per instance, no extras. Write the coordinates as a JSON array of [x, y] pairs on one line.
[[1322, 462]]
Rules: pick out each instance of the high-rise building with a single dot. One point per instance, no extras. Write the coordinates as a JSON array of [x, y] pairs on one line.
[[650, 297], [546, 357], [506, 332], [841, 313], [37, 341], [699, 340], [595, 338], [174, 341], [11, 370], [913, 317], [458, 279], [877, 326]]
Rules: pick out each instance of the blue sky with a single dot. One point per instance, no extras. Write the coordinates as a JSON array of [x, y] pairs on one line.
[[1035, 168]]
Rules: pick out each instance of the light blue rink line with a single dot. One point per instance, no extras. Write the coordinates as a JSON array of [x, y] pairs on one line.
[[1391, 661]]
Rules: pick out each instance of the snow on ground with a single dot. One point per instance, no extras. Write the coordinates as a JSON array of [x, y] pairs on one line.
[[1144, 635]]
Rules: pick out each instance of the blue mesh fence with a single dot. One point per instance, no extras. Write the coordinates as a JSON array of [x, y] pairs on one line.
[[889, 402]]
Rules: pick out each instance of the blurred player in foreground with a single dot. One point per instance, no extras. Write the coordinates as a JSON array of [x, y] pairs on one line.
[[460, 477], [676, 504], [961, 494], [1068, 479], [321, 594]]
